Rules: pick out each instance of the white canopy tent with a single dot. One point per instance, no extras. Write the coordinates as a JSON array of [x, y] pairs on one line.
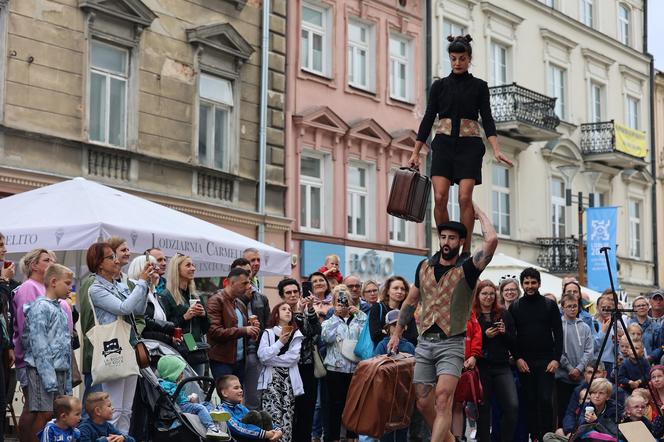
[[502, 264], [71, 215]]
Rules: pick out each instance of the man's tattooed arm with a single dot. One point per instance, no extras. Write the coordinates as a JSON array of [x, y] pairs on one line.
[[482, 257], [406, 314]]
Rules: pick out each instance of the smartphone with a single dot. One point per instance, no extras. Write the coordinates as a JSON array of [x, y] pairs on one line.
[[307, 289]]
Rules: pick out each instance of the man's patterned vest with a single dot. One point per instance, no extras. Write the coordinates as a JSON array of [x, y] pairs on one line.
[[447, 302]]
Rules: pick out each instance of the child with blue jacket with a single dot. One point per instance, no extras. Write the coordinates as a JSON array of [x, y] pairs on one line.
[[634, 372], [230, 391], [97, 427]]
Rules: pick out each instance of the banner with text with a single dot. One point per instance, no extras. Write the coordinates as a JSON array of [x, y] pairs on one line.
[[631, 141], [601, 232]]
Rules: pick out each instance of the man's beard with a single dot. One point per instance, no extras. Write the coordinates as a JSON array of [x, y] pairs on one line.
[[451, 254]]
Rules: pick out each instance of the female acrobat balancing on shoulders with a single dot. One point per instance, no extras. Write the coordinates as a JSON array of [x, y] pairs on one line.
[[457, 147]]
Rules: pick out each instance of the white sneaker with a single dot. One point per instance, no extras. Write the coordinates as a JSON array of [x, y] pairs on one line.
[[215, 434]]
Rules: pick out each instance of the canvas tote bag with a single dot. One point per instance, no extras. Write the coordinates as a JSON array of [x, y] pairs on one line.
[[113, 357]]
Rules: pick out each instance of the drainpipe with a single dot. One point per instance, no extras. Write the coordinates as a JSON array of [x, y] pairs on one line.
[[427, 84], [653, 156], [262, 140]]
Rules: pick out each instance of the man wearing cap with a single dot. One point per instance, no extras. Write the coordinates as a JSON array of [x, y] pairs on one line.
[[657, 306], [444, 287]]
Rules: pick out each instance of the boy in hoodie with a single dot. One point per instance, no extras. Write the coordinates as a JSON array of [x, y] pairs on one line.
[[634, 372], [171, 369], [577, 352], [47, 346], [230, 391], [97, 427], [67, 412], [405, 346]]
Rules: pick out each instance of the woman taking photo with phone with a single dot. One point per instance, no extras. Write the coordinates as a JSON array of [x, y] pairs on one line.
[[184, 308]]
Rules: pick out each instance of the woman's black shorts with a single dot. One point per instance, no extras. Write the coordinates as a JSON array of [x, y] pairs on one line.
[[457, 158]]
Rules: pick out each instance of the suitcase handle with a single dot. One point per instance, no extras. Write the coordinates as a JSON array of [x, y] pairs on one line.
[[414, 169]]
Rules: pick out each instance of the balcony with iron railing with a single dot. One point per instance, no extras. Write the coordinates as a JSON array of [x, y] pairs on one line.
[[613, 144], [523, 114], [559, 255]]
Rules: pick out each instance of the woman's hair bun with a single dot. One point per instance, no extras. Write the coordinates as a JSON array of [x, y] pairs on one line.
[[468, 38], [451, 38]]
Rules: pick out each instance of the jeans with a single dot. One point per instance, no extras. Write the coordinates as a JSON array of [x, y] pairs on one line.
[[88, 388], [320, 425], [538, 388], [252, 369], [200, 411], [220, 369], [498, 380]]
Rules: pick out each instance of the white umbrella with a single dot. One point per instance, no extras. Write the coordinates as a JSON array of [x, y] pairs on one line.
[[71, 215], [502, 264]]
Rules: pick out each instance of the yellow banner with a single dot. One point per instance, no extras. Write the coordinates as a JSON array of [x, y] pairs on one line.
[[631, 141]]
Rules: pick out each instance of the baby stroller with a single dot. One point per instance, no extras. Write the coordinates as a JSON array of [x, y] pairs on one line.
[[156, 417]]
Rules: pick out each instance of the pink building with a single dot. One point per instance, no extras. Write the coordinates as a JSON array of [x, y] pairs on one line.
[[355, 96]]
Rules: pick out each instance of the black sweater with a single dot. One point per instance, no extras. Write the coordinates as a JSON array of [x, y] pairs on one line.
[[539, 329], [377, 322], [457, 96], [496, 350]]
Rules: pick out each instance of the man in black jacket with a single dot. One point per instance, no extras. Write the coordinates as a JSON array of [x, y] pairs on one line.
[[538, 350]]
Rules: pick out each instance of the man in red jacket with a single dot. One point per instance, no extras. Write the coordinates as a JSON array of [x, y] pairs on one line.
[[229, 326]]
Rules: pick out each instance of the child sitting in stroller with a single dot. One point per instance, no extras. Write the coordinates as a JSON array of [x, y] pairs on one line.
[[171, 371], [244, 425]]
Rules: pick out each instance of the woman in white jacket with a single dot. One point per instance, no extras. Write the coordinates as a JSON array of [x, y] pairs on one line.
[[279, 380]]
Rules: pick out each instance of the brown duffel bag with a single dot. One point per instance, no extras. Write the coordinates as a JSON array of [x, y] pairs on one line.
[[409, 195], [381, 395]]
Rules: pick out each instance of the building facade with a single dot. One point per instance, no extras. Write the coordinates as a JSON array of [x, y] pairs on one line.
[[568, 80], [158, 98], [659, 185], [355, 96]]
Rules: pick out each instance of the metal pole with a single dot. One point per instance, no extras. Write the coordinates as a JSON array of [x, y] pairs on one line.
[[582, 258], [262, 138]]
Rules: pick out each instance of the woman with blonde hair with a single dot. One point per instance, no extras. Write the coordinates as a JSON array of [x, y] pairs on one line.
[[185, 309]]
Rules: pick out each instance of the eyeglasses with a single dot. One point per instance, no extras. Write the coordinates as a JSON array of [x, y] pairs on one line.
[[371, 291], [641, 306], [571, 306], [111, 257], [354, 286], [510, 290]]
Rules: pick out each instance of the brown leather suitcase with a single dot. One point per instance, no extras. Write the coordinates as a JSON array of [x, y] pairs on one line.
[[381, 396], [409, 195]]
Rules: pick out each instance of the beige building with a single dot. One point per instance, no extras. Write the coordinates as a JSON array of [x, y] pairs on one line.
[[158, 98], [659, 185], [566, 77]]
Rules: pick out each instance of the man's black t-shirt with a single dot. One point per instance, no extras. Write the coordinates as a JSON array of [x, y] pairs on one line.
[[471, 272]]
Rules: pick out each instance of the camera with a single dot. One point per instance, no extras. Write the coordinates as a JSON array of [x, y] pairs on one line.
[[342, 298]]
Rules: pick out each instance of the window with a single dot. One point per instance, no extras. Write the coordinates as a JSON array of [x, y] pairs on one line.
[[634, 228], [558, 207], [453, 210], [358, 200], [596, 93], [449, 28], [499, 64], [633, 113], [558, 89], [587, 11], [400, 78], [313, 40], [311, 193], [549, 3], [624, 30], [108, 93], [501, 200], [359, 55], [398, 227], [214, 121]]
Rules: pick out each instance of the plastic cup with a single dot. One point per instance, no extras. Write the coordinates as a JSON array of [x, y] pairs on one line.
[[590, 409]]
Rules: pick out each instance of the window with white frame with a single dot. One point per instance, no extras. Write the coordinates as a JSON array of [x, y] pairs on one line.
[[587, 11], [360, 55], [453, 209], [558, 89], [501, 200], [109, 75], [596, 102], [358, 200], [397, 226], [634, 228], [633, 113], [499, 55], [314, 37], [549, 3], [312, 192], [624, 21], [558, 208], [400, 77], [454, 29], [215, 121]]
